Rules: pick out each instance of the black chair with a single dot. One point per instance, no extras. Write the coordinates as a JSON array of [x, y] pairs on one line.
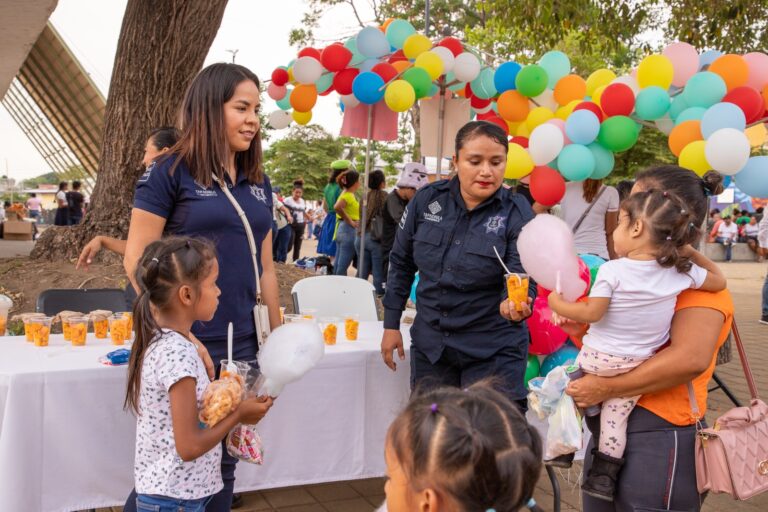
[[54, 301]]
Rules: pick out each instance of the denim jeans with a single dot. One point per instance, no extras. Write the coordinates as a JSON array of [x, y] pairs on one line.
[[345, 248], [765, 296], [283, 243], [728, 243], [152, 503], [371, 262]]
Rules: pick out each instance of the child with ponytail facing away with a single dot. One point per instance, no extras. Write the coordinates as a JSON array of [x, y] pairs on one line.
[[178, 463], [454, 450], [630, 309]]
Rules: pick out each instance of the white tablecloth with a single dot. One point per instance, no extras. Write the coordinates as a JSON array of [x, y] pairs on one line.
[[66, 443]]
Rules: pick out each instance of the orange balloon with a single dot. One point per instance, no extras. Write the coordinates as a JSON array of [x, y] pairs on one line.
[[683, 134], [384, 25], [513, 106], [303, 97], [401, 65], [570, 88], [733, 69], [765, 94]]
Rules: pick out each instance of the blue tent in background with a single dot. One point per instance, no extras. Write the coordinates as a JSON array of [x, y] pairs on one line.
[[731, 198]]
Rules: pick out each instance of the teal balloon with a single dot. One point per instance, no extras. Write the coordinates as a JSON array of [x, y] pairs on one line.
[[618, 133], [553, 164], [564, 356], [433, 90], [690, 114], [483, 86], [324, 82], [357, 57], [531, 81], [285, 103], [504, 78], [372, 43], [398, 31], [752, 179], [451, 77], [704, 89], [604, 161], [722, 115], [576, 162], [532, 369], [557, 65], [652, 103], [677, 106], [593, 264], [413, 288]]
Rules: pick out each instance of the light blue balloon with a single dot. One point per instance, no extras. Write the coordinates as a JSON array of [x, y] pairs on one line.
[[504, 79], [752, 179], [576, 162], [582, 127], [557, 65], [604, 161], [368, 87], [564, 356], [433, 90], [371, 42], [357, 57], [690, 114], [704, 89], [285, 103], [483, 86], [324, 82], [652, 103], [727, 181], [708, 57], [398, 31], [677, 105], [367, 64], [722, 115]]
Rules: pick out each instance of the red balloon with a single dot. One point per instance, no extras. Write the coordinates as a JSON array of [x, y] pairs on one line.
[[748, 100], [327, 91], [592, 107], [452, 44], [342, 81], [584, 275], [495, 119], [479, 103], [280, 76], [335, 57], [617, 100], [386, 71], [523, 141], [546, 337], [310, 52], [398, 55], [468, 91], [547, 185]]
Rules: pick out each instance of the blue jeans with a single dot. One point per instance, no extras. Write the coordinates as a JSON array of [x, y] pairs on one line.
[[283, 243], [765, 296], [152, 503], [728, 243], [372, 262], [345, 248]]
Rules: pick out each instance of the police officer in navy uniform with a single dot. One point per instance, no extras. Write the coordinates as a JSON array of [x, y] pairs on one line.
[[465, 329]]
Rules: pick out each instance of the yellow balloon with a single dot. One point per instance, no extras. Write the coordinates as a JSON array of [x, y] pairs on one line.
[[399, 96], [693, 157], [415, 45], [513, 127], [596, 95], [519, 162], [431, 63], [537, 116], [757, 135], [302, 118], [567, 110], [655, 70], [523, 131], [598, 78], [290, 75]]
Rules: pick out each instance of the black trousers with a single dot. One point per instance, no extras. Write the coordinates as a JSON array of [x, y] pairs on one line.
[[298, 237]]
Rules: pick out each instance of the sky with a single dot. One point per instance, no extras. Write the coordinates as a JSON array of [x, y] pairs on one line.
[[261, 39]]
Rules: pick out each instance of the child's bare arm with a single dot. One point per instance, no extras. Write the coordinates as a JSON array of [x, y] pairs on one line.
[[715, 280], [589, 311]]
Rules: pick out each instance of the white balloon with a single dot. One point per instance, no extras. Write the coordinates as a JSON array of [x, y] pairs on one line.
[[727, 151], [629, 81], [307, 70], [546, 99], [446, 56], [279, 119], [290, 352], [545, 143], [466, 67], [350, 101], [665, 124]]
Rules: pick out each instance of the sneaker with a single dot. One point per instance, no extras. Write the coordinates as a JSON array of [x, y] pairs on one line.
[[764, 319]]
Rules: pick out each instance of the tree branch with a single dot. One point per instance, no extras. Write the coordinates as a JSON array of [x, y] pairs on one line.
[[354, 9]]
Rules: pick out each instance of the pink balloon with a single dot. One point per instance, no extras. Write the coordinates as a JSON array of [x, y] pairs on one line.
[[685, 60], [560, 124], [546, 337], [758, 70], [276, 92]]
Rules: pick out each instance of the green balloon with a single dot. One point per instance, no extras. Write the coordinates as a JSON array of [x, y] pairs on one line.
[[419, 80], [652, 103], [618, 133], [531, 80], [532, 369]]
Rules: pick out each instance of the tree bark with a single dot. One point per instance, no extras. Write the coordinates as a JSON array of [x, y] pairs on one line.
[[162, 46]]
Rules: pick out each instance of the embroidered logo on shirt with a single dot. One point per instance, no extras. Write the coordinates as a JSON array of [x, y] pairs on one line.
[[434, 207], [145, 177], [494, 224], [258, 193], [203, 191], [402, 219]]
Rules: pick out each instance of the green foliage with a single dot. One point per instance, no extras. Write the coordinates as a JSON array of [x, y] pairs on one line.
[[50, 178], [651, 149]]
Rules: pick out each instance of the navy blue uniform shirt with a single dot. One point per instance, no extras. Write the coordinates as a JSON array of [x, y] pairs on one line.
[[461, 282], [191, 209]]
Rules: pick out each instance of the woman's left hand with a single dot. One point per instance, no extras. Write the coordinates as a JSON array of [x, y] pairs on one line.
[[589, 390], [205, 356], [508, 311]]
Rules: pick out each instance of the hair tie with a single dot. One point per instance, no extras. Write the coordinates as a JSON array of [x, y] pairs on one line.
[[433, 408], [155, 260], [665, 193], [669, 238], [682, 212], [531, 503], [691, 224], [707, 192]]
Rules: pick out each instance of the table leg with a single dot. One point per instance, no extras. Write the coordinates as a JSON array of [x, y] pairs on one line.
[[555, 487]]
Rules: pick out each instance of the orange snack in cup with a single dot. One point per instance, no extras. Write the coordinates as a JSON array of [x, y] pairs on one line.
[[350, 328], [78, 330], [129, 325], [2, 326], [66, 330], [329, 334], [517, 289], [30, 329], [41, 335], [118, 329], [101, 328]]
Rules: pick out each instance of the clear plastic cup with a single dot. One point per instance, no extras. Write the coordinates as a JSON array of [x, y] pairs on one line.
[[282, 314], [517, 289], [101, 327], [128, 315], [5, 305], [118, 329], [78, 330], [351, 327], [65, 329], [41, 331], [309, 313], [330, 328], [291, 318]]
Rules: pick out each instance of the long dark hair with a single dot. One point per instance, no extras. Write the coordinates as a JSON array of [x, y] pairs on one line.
[[376, 198], [471, 445], [203, 143], [165, 265], [335, 173], [164, 137], [590, 189], [347, 179]]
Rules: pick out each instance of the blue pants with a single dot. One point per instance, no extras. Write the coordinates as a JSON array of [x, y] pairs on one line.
[[74, 220], [765, 296], [151, 503], [345, 248], [283, 243], [371, 262], [728, 243]]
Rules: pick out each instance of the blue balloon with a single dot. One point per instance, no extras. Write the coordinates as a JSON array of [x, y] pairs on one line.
[[704, 89], [413, 288], [483, 86], [582, 127], [727, 181], [398, 31], [708, 57], [722, 115], [690, 114], [371, 42], [677, 106], [556, 64], [652, 103], [504, 79], [367, 65], [564, 356], [604, 161], [752, 179], [368, 87], [576, 162]]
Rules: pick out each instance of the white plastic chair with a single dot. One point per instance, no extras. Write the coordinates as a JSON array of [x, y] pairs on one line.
[[336, 296]]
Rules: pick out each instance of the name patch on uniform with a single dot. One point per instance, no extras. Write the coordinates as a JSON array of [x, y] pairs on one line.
[[258, 193], [494, 224], [434, 208], [144, 177], [202, 191]]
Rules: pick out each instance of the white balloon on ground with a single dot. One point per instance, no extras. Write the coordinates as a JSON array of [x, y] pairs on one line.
[[727, 151], [307, 70], [279, 119], [446, 56], [545, 143], [289, 353], [466, 67]]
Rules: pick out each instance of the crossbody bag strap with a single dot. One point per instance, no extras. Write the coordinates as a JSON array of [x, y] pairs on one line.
[[248, 234], [589, 209]]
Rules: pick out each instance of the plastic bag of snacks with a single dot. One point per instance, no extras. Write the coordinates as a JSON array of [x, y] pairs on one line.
[[244, 442], [221, 397]]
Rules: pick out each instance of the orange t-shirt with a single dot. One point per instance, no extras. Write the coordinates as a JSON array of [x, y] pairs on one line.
[[673, 404]]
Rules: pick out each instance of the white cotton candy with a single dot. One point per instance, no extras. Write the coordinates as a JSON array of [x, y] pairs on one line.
[[290, 352]]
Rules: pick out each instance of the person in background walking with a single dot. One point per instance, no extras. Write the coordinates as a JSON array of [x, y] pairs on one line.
[[62, 208], [347, 221], [34, 206], [370, 261], [298, 208], [75, 201], [326, 241]]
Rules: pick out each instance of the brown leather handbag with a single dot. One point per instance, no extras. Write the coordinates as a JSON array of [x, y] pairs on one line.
[[732, 456]]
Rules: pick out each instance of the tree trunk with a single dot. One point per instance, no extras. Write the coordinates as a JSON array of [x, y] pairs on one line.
[[161, 48]]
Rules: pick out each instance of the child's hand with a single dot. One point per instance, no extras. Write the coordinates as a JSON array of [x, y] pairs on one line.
[[252, 410], [554, 300]]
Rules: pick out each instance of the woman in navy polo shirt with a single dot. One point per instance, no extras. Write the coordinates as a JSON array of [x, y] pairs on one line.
[[178, 195]]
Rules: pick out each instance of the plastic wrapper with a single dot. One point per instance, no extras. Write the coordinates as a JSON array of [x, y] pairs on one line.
[[547, 398], [244, 442], [222, 396]]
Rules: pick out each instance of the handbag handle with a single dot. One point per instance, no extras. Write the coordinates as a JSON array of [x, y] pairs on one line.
[[589, 209]]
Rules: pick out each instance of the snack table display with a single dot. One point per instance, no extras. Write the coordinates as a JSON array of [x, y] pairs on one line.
[[67, 444]]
